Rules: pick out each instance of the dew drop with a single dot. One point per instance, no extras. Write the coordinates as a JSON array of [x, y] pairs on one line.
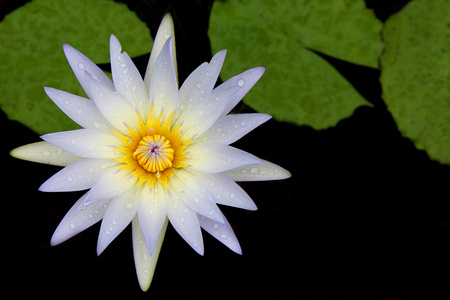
[[241, 82], [232, 195], [199, 85], [133, 87], [129, 206], [166, 35], [72, 226], [69, 178], [224, 236], [46, 153], [107, 232], [243, 123], [80, 65], [216, 226], [254, 170], [181, 220], [125, 71], [90, 216], [96, 212]]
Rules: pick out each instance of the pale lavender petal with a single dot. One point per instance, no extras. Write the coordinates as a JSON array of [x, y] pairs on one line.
[[202, 115], [45, 153], [81, 110], [127, 79], [165, 31], [222, 232], [144, 262], [152, 214], [80, 63], [224, 190], [113, 106], [77, 220], [258, 172], [185, 222], [194, 195], [214, 157], [121, 210], [80, 175], [89, 143], [230, 128], [245, 81], [163, 89], [111, 184], [199, 84]]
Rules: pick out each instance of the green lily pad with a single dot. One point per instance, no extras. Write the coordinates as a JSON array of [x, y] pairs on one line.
[[298, 86], [415, 74], [31, 55]]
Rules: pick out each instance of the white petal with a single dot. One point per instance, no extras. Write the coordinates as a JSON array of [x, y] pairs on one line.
[[90, 143], [145, 263], [201, 116], [80, 63], [165, 31], [121, 210], [77, 176], [152, 215], [127, 79], [222, 232], [83, 111], [224, 190], [45, 153], [111, 184], [214, 157], [113, 106], [230, 128], [194, 195], [185, 222], [245, 81], [200, 82], [163, 89], [77, 220], [258, 172]]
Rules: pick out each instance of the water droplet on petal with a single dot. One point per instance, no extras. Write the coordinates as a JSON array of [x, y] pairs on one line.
[[254, 170], [72, 226], [241, 82], [199, 85], [224, 236], [46, 153], [216, 226], [80, 65], [69, 178]]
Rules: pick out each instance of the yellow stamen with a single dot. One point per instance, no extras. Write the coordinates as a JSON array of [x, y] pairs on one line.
[[154, 153]]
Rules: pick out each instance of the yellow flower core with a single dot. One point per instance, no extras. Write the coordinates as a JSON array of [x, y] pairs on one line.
[[154, 153], [153, 150]]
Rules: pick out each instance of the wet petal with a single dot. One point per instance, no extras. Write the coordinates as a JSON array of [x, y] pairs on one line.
[[127, 79], [258, 172], [245, 81], [222, 232], [165, 31], [110, 185], [163, 89], [80, 175], [185, 222], [77, 220], [230, 128], [215, 158], [121, 210], [152, 215], [224, 190], [144, 262], [80, 64], [45, 153], [81, 110], [89, 143], [113, 106]]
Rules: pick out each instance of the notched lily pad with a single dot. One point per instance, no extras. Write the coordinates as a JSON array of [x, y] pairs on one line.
[[298, 86], [415, 72], [32, 57]]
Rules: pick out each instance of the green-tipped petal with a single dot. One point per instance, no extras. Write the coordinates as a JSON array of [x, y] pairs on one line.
[[145, 264], [45, 153]]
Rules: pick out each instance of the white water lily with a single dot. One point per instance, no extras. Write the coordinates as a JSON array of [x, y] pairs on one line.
[[151, 153]]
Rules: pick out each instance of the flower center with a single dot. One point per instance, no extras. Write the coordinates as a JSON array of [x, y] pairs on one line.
[[154, 153]]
